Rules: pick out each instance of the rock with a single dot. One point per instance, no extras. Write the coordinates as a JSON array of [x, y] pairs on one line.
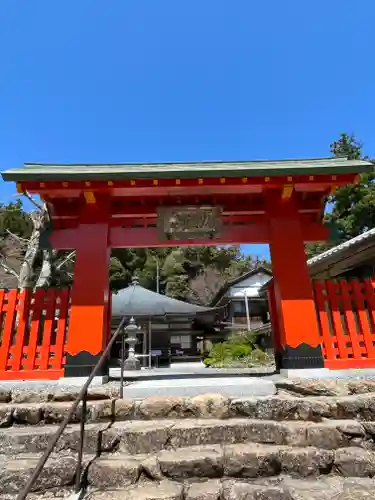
[[160, 407], [23, 440], [30, 414], [138, 437], [64, 394], [208, 490], [274, 408], [151, 468], [305, 461], [259, 431], [124, 409], [197, 432], [325, 435], [165, 490], [327, 488], [314, 387], [5, 395], [113, 471], [98, 411], [55, 413], [234, 490], [58, 471], [6, 415], [192, 462], [209, 406], [20, 396], [250, 460], [361, 386], [354, 462]]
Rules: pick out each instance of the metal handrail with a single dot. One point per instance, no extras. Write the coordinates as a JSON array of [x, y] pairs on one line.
[[82, 396]]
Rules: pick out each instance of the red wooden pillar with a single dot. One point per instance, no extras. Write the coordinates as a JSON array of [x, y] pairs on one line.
[[274, 321], [88, 325], [300, 343]]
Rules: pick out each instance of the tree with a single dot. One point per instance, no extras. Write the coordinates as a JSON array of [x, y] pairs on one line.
[[353, 205]]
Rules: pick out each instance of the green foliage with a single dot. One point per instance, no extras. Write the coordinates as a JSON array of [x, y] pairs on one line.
[[14, 219], [239, 350], [353, 205], [183, 271]]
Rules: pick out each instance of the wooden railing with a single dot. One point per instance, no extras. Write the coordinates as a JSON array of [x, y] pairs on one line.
[[34, 326], [346, 318], [33, 332]]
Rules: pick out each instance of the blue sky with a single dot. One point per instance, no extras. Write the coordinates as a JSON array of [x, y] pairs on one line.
[[167, 80]]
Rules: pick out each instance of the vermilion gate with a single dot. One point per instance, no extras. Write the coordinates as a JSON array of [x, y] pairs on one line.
[[94, 208]]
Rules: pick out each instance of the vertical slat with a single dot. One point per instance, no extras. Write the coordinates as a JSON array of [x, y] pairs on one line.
[[349, 318], [359, 297], [29, 363], [49, 301], [61, 328], [333, 290], [2, 294], [23, 321], [370, 297], [319, 287], [8, 328]]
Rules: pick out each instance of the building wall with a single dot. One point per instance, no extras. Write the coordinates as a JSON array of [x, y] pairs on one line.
[[249, 285]]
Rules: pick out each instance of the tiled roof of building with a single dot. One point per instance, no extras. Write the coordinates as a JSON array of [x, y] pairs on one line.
[[119, 171]]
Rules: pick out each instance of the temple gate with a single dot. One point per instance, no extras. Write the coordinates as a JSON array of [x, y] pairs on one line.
[[94, 208]]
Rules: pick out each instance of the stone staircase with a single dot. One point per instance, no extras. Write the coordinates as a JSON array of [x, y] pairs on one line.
[[284, 447]]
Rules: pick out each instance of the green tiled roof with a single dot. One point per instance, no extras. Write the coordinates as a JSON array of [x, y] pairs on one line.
[[119, 171]]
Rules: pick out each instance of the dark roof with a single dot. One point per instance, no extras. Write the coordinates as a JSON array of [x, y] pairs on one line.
[[341, 258], [119, 171], [223, 290], [138, 301], [344, 257]]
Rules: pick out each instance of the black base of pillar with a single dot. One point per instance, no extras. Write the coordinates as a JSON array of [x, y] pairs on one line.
[[302, 356], [82, 365]]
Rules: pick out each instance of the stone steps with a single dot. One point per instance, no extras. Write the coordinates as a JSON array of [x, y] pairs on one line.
[[245, 460], [136, 437], [283, 488], [247, 448], [361, 407]]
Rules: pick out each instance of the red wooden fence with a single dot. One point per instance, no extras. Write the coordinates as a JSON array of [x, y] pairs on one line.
[[33, 328], [33, 331], [346, 318]]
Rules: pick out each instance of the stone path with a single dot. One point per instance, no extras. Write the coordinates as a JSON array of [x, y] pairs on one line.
[[232, 387]]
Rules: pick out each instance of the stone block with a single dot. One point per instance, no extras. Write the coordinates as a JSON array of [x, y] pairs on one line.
[[250, 460], [115, 471], [30, 413], [208, 490], [304, 462], [160, 407], [192, 462], [354, 462]]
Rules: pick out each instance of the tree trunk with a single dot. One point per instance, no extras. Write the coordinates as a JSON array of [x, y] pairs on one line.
[[27, 271]]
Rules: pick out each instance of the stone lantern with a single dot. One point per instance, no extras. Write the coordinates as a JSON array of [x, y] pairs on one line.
[[130, 333]]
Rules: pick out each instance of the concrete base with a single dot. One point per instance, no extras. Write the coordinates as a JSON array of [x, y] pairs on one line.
[[231, 387], [79, 381], [306, 373], [132, 364]]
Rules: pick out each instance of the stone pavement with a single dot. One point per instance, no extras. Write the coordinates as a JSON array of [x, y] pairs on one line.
[[231, 387]]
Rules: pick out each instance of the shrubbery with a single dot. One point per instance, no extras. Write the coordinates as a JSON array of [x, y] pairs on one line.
[[238, 351]]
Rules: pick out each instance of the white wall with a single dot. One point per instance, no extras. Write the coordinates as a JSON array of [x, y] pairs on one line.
[[250, 285]]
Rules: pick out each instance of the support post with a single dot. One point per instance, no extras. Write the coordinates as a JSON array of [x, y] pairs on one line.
[[297, 326], [88, 325]]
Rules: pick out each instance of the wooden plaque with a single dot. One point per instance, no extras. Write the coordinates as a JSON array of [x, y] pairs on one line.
[[189, 222]]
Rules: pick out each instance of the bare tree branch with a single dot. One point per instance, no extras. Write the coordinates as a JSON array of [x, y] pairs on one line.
[[67, 259], [16, 237], [7, 268], [31, 199]]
